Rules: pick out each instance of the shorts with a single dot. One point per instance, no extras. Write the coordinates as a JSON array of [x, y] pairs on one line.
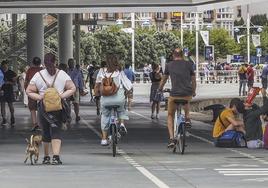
[[49, 132], [172, 106], [264, 83], [250, 83], [32, 104], [76, 96]]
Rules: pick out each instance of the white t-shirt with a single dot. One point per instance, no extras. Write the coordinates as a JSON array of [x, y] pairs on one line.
[[123, 80], [59, 84]]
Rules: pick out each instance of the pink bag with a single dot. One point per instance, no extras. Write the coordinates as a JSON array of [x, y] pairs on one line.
[[265, 137]]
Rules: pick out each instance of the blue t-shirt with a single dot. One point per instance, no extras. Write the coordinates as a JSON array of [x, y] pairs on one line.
[[264, 73], [1, 78], [130, 74]]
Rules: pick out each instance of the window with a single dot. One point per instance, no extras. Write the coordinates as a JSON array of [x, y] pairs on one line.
[[110, 16], [144, 15], [159, 15]]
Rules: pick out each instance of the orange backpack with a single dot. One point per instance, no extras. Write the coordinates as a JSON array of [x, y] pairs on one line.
[[108, 87]]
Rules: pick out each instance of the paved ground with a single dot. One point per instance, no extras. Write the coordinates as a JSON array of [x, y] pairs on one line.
[[144, 160]]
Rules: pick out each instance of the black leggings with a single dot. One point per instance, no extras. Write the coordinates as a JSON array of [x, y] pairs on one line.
[[49, 132]]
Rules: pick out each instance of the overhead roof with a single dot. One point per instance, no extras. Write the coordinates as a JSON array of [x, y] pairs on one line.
[[110, 6]]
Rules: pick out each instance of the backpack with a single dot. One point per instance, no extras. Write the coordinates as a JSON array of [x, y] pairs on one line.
[[108, 87], [51, 100]]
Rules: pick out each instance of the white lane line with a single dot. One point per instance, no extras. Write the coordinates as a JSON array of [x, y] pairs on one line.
[[153, 178], [132, 162], [133, 112], [246, 174], [244, 169], [210, 142]]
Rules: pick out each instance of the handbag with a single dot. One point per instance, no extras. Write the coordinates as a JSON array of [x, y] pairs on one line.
[[159, 96]]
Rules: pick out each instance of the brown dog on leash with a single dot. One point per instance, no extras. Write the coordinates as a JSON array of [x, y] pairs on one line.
[[33, 148]]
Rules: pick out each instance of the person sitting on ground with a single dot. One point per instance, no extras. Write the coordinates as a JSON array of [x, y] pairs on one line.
[[227, 119], [122, 82], [253, 123], [32, 104]]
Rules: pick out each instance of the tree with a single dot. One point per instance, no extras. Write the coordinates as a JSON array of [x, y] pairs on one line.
[[90, 49], [239, 22], [145, 50], [223, 43], [259, 19], [166, 43]]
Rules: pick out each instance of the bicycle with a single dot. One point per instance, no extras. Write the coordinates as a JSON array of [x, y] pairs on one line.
[[179, 125], [114, 134]]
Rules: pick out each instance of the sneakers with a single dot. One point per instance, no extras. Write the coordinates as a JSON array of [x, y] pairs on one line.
[[35, 128], [4, 122], [77, 119], [152, 116], [46, 160], [157, 116], [56, 160], [12, 121], [171, 143], [122, 130], [104, 142]]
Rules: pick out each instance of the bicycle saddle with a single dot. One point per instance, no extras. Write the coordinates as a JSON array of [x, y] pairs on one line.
[[112, 107], [180, 101]]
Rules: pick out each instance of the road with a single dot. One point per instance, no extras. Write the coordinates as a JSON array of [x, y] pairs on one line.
[[144, 160]]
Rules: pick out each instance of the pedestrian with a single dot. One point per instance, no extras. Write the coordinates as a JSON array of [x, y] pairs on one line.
[[118, 76], [129, 94], [77, 78], [146, 72], [10, 77], [50, 122], [242, 73], [90, 80], [155, 77], [250, 76], [97, 93], [264, 77], [22, 78], [32, 104]]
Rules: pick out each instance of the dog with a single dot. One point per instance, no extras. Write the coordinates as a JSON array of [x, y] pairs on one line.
[[33, 148]]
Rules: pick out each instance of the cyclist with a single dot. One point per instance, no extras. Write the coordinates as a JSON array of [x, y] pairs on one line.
[[183, 86], [119, 78]]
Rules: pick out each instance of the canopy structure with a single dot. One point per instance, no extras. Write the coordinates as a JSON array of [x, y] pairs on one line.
[[112, 6]]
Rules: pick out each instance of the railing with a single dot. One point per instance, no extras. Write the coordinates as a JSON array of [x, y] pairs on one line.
[[209, 77]]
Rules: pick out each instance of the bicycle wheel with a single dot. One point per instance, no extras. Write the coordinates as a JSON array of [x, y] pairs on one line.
[[114, 139], [181, 138]]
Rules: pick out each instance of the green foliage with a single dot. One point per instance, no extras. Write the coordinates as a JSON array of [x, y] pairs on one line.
[[167, 42], [259, 19], [239, 22], [223, 43], [89, 49]]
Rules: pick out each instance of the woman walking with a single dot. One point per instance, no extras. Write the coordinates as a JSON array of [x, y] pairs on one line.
[[155, 77]]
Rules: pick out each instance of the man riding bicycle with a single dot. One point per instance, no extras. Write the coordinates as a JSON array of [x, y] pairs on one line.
[[183, 86]]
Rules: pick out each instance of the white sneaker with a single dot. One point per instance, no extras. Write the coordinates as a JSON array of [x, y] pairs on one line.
[[104, 142], [157, 116]]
